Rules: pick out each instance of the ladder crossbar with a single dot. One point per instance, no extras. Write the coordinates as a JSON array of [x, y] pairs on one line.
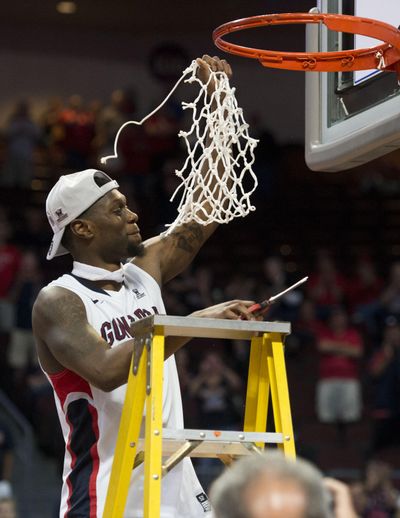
[[206, 449], [221, 435]]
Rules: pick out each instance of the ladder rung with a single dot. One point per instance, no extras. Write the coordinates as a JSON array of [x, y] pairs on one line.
[[222, 435], [213, 443], [207, 449]]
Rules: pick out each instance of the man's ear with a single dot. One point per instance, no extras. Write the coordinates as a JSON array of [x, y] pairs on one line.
[[82, 228]]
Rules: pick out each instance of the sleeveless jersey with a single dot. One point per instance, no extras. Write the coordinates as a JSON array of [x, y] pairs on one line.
[[90, 417]]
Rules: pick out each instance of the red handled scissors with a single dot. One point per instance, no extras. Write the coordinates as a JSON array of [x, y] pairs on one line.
[[262, 307]]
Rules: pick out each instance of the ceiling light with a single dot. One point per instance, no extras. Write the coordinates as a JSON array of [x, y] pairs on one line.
[[66, 7]]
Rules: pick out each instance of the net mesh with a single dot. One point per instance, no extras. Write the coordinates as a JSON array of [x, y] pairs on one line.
[[217, 179]]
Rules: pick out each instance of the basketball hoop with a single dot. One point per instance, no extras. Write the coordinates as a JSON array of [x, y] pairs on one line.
[[383, 57]]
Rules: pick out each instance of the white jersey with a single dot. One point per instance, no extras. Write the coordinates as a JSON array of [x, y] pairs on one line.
[[90, 417]]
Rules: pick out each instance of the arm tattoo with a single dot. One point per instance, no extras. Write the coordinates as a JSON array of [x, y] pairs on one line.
[[67, 319], [189, 237]]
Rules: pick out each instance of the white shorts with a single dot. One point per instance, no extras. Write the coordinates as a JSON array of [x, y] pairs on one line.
[[338, 400]]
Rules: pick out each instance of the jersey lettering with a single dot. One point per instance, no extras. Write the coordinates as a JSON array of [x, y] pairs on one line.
[[119, 328]]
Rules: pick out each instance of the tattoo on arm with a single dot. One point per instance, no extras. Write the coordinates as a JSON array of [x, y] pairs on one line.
[[64, 326], [188, 237], [72, 314]]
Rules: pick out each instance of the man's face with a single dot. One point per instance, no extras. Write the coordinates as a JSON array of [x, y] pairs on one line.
[[271, 497], [117, 236]]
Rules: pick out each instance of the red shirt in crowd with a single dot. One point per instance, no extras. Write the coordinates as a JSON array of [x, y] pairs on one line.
[[10, 258], [327, 293], [334, 364], [360, 293]]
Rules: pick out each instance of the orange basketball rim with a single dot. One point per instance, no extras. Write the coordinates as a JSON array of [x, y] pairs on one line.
[[383, 57]]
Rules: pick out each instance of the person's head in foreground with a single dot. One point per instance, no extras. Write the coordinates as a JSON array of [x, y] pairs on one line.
[[7, 508], [270, 486]]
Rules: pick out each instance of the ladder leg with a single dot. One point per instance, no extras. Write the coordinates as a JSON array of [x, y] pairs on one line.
[[280, 393], [128, 435], [153, 433], [252, 385], [257, 389]]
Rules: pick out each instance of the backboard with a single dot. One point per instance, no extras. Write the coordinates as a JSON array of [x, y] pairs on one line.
[[351, 117]]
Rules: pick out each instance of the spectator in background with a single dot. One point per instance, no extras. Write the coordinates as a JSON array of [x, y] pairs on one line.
[[326, 286], [10, 258], [305, 328], [266, 162], [365, 287], [240, 285], [109, 120], [340, 348], [190, 291], [77, 127], [240, 354], [276, 279], [390, 298], [49, 121], [384, 370], [7, 504], [22, 135], [136, 160], [201, 294], [376, 496], [162, 129], [134, 166], [53, 132], [363, 295], [33, 232], [214, 388], [6, 453], [28, 283], [271, 486], [185, 377]]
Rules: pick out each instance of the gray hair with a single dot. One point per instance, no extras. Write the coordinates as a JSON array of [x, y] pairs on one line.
[[227, 492]]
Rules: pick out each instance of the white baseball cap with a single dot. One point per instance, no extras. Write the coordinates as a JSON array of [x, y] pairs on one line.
[[73, 194]]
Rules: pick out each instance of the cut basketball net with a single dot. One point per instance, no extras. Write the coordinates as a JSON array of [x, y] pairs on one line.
[[217, 178]]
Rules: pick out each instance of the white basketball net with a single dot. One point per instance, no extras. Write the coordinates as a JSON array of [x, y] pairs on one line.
[[217, 179]]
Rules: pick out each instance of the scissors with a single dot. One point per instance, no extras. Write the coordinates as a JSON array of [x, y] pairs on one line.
[[262, 307]]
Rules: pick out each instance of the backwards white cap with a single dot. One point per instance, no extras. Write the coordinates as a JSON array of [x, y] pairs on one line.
[[73, 194]]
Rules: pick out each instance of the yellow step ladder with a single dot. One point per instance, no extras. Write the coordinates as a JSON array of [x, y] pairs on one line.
[[267, 374]]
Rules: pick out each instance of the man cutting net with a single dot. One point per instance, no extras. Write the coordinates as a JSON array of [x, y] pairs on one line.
[[82, 321]]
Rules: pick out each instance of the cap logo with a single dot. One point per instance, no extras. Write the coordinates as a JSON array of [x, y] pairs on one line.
[[60, 215]]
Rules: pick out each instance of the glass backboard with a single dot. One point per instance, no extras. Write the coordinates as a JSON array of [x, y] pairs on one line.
[[352, 117]]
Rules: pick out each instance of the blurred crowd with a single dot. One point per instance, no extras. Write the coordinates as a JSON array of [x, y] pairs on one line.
[[73, 135], [347, 320]]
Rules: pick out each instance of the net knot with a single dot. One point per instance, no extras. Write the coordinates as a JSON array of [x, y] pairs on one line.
[[185, 106]]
